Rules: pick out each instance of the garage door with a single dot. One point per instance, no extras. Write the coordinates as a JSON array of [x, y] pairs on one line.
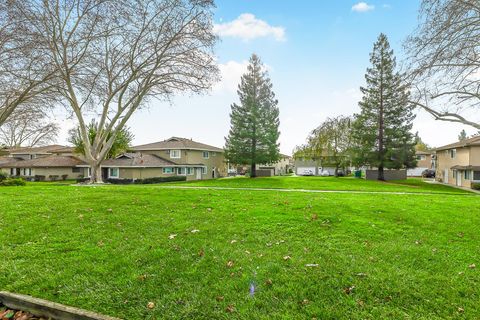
[[304, 170]]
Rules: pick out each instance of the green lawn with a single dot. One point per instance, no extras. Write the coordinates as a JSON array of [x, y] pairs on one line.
[[327, 183], [108, 249]]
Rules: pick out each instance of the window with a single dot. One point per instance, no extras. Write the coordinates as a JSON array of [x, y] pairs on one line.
[[204, 170], [113, 173], [421, 157], [27, 172], [175, 154], [476, 175], [76, 170], [206, 154], [454, 174], [89, 172], [181, 171], [12, 172], [453, 153], [467, 175], [167, 170], [190, 171]]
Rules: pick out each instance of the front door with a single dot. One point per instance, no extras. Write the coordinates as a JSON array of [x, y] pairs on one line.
[[459, 178], [199, 173], [445, 176]]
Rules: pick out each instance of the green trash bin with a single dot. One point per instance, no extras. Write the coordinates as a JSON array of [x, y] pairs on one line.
[[358, 173]]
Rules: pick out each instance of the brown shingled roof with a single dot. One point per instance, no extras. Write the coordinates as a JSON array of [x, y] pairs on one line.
[[6, 160], [177, 143], [35, 150], [474, 141], [138, 160], [47, 162]]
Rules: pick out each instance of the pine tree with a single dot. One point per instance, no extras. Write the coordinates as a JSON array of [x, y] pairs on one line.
[[382, 129], [462, 136], [254, 122]]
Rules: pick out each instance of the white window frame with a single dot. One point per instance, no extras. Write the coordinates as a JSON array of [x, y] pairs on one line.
[[204, 170], [190, 171], [207, 153], [25, 170], [172, 170], [89, 172], [172, 152], [180, 169], [110, 176], [468, 175], [453, 153]]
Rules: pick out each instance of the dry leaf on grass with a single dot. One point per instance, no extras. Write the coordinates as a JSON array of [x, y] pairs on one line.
[[219, 298], [287, 258], [230, 264], [472, 266], [150, 305], [172, 236], [230, 308], [349, 290]]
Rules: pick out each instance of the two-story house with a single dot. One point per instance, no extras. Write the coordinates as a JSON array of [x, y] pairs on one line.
[[459, 163]]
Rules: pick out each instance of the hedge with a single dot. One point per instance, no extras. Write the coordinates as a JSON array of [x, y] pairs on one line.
[[12, 182], [147, 180], [476, 186]]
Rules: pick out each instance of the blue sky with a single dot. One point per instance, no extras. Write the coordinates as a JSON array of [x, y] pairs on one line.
[[316, 52]]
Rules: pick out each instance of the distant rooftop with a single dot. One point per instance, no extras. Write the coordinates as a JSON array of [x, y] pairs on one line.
[[176, 143], [36, 150], [474, 141]]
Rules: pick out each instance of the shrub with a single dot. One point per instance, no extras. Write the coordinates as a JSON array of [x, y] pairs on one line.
[[3, 176], [82, 179], [53, 177], [161, 179], [64, 177], [147, 180], [119, 181], [12, 182], [476, 186], [39, 178]]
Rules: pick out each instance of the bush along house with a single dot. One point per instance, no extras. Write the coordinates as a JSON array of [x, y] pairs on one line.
[[458, 163]]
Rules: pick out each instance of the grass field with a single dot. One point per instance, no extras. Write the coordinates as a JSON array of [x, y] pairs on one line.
[[245, 254], [326, 183]]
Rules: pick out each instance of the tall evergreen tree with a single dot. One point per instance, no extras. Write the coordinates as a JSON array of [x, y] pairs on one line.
[[382, 130], [254, 122]]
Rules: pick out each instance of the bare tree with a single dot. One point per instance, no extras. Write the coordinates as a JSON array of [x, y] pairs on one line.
[[25, 74], [28, 127], [114, 56], [444, 60]]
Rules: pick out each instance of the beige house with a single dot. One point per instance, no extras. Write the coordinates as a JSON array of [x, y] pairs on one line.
[[192, 159], [171, 157], [459, 163], [425, 160]]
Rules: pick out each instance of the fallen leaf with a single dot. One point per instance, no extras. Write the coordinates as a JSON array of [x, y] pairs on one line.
[[461, 310], [314, 216], [311, 265], [461, 273], [305, 302], [348, 290], [361, 274], [388, 298], [418, 242], [220, 298], [233, 241], [201, 253], [100, 243], [209, 209], [80, 216], [287, 258], [472, 266], [460, 234], [361, 303], [151, 305], [109, 209], [172, 236], [268, 282], [247, 252], [195, 231], [230, 308], [230, 264]]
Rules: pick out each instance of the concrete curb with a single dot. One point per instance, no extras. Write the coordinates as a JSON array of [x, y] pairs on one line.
[[48, 309]]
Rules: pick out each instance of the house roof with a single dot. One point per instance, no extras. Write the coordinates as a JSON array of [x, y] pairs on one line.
[[5, 160], [138, 160], [46, 162], [423, 152], [474, 141], [176, 143], [466, 168], [35, 150]]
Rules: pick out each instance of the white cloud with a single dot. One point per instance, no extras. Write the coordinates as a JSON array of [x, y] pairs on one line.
[[362, 7], [231, 73], [248, 27]]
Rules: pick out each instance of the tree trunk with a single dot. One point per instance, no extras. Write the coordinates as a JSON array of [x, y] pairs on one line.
[[96, 173], [381, 175], [336, 170], [253, 170]]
